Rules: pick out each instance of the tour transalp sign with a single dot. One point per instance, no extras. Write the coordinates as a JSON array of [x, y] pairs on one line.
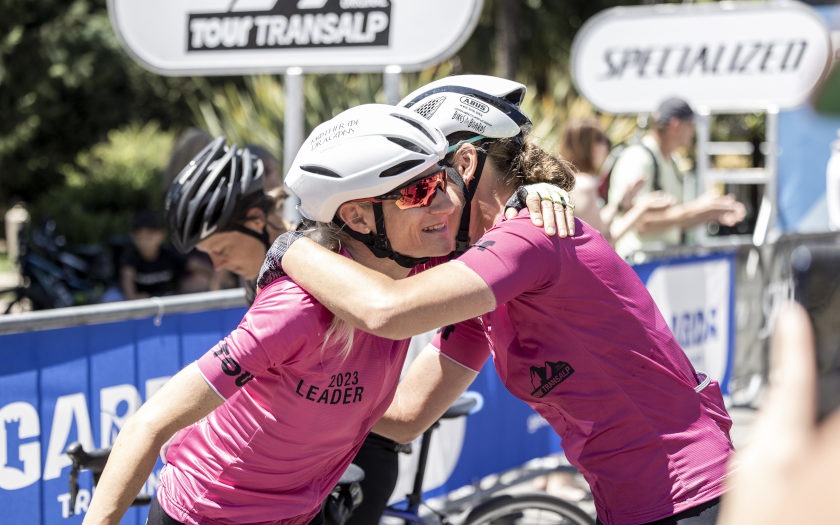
[[226, 37], [728, 56]]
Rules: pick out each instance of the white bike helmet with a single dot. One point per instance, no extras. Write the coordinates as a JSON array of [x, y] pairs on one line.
[[363, 152], [483, 106], [366, 151], [480, 104]]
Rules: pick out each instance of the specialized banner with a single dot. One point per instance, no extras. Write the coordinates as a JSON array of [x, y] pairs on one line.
[[720, 56]]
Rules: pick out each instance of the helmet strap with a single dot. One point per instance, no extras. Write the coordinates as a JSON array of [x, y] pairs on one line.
[[379, 244], [462, 240], [261, 236]]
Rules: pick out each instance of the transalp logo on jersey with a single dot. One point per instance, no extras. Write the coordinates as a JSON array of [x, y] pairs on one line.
[[545, 378], [278, 24]]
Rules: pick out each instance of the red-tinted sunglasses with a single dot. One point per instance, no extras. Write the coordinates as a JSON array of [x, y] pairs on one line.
[[418, 193]]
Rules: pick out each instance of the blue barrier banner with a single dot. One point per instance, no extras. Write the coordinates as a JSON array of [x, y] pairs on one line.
[[81, 384]]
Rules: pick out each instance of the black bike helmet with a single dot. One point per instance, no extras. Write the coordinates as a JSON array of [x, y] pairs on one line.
[[204, 197]]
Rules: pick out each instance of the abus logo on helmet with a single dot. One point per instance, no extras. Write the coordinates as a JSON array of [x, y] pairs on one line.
[[481, 106], [302, 24]]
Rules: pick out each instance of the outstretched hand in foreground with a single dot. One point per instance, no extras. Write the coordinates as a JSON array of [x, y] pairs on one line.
[[789, 470]]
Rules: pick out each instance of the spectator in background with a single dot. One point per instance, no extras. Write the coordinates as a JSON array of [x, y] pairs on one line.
[[149, 267], [656, 163], [585, 144]]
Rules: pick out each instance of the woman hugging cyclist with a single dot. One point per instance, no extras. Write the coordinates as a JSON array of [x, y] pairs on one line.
[[572, 330], [248, 416], [251, 446]]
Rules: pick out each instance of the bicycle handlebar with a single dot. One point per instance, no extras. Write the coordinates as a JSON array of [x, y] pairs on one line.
[[94, 461]]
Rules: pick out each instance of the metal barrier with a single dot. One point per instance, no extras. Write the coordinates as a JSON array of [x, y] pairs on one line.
[[762, 284], [155, 307], [77, 374]]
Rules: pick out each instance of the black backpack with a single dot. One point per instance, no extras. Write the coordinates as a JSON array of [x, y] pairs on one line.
[[612, 159]]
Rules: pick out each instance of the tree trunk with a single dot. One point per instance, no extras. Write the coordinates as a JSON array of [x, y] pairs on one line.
[[507, 39]]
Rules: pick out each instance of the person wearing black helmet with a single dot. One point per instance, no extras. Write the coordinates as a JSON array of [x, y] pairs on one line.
[[218, 205], [572, 329]]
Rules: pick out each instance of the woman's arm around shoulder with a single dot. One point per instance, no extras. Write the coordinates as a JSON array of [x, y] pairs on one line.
[[378, 304]]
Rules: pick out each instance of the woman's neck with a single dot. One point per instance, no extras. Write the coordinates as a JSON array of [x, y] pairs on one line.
[[491, 206]]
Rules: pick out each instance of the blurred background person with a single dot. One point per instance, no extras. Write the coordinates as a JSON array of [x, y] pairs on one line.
[[585, 144], [656, 161], [149, 266]]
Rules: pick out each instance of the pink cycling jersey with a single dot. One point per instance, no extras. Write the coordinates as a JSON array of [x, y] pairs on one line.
[[295, 413], [577, 336]]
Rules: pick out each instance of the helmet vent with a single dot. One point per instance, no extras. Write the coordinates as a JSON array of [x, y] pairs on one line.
[[400, 168], [417, 125], [427, 109], [407, 144], [515, 97], [320, 170]]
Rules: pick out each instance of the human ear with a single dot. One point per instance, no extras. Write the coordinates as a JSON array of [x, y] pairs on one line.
[[255, 219], [357, 216], [465, 161]]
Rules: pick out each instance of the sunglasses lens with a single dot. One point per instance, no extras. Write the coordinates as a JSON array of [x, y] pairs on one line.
[[422, 192]]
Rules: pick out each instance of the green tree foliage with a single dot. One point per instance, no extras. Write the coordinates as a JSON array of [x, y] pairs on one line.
[[107, 183], [537, 37], [64, 83]]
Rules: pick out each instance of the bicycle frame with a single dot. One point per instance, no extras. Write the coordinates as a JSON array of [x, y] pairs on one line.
[[468, 403]]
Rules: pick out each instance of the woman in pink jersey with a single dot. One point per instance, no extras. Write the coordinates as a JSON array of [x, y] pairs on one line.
[[266, 422], [571, 328]]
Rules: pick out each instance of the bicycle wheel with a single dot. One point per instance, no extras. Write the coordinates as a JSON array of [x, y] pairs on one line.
[[527, 509]]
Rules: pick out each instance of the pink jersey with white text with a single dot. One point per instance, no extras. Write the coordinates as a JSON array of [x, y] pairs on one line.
[[295, 414], [577, 336]]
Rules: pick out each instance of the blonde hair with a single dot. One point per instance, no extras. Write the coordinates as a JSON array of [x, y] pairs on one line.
[[339, 332]]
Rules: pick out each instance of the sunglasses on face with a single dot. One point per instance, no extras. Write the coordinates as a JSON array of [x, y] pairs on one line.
[[418, 193]]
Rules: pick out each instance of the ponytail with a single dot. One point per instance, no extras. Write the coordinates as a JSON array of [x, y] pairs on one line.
[[523, 162]]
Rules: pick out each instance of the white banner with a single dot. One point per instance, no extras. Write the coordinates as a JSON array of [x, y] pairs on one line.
[[227, 37], [720, 56], [695, 299]]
